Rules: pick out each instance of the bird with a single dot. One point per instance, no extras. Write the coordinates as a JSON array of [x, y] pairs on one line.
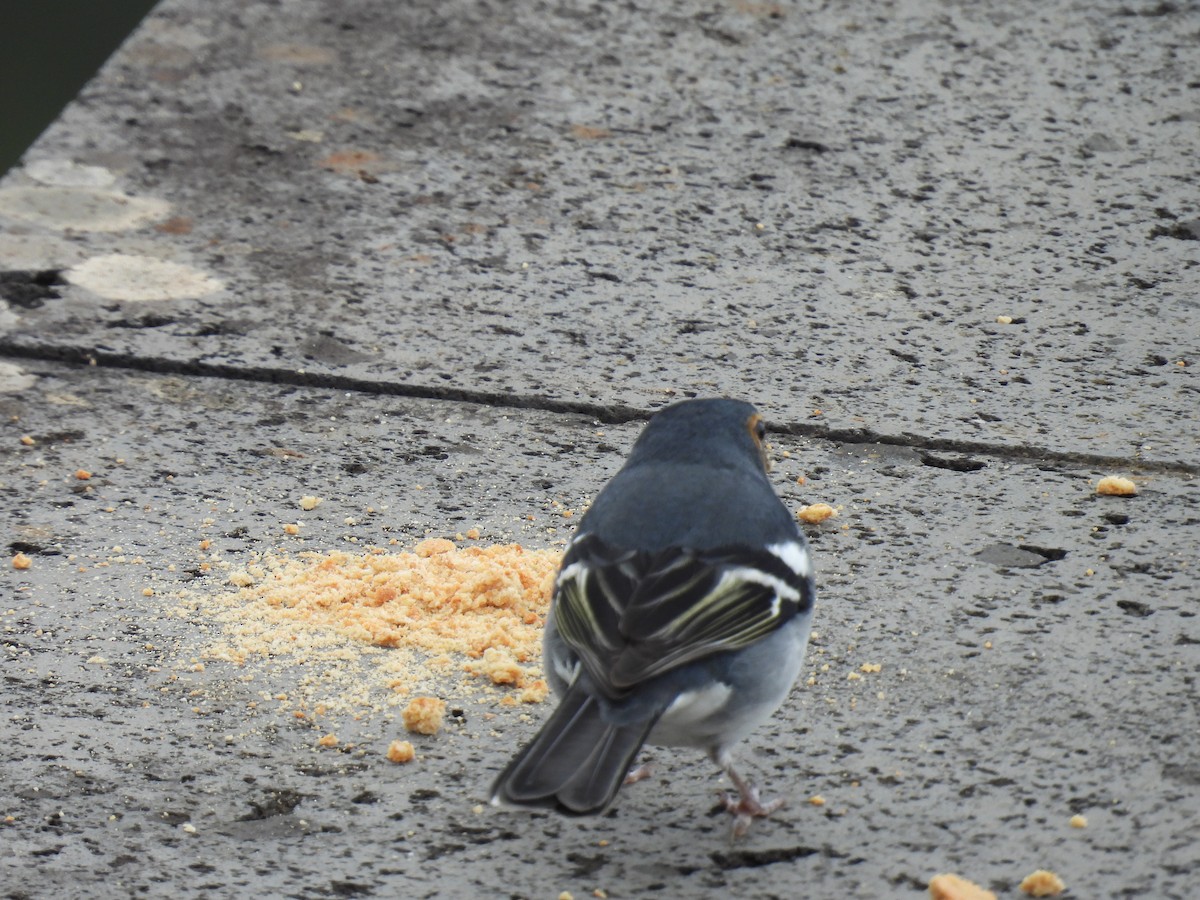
[[679, 616]]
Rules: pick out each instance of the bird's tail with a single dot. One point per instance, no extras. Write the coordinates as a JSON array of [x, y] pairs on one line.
[[576, 763]]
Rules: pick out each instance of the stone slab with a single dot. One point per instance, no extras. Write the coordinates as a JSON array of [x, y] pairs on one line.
[[1038, 648], [972, 224]]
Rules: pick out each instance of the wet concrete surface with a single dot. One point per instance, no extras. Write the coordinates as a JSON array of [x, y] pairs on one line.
[[948, 248]]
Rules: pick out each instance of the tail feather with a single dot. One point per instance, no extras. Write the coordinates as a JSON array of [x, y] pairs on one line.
[[576, 763]]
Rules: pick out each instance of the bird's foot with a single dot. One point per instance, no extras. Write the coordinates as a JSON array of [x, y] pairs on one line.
[[638, 773], [746, 806]]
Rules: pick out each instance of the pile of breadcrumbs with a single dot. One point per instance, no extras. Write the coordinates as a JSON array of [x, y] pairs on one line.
[[411, 618]]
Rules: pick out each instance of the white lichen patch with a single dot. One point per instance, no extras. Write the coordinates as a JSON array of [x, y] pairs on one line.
[[67, 173], [81, 208], [38, 251], [14, 379], [120, 276]]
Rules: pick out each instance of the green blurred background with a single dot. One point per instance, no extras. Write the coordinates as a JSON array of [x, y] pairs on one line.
[[48, 50]]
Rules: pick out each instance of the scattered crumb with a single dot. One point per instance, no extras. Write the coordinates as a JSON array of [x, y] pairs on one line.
[[433, 547], [1043, 884], [816, 800], [1078, 821], [870, 668], [1004, 320], [291, 528], [499, 666], [473, 534], [424, 715], [535, 692], [954, 887], [83, 474], [1116, 486], [309, 503], [27, 440], [400, 752], [21, 561], [329, 740], [816, 512], [566, 895]]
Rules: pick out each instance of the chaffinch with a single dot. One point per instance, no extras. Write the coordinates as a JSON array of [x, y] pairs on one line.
[[680, 615]]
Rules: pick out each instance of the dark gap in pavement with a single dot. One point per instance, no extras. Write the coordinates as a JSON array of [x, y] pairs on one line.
[[608, 414]]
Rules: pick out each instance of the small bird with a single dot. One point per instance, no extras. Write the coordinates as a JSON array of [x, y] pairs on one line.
[[679, 618]]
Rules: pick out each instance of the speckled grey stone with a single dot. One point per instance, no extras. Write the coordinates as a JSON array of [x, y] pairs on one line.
[[824, 207], [963, 232]]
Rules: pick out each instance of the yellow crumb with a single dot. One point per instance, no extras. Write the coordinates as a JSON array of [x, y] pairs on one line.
[[815, 513], [870, 667], [1116, 486], [1078, 821], [21, 561], [816, 800], [291, 528], [499, 666], [27, 440], [424, 715], [433, 546], [954, 887], [1043, 884], [400, 752], [534, 692], [308, 503], [83, 474], [329, 740]]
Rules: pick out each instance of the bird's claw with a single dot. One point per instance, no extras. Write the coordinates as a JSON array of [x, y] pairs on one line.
[[745, 807], [638, 773]]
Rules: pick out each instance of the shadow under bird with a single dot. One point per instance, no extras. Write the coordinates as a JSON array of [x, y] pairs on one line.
[[680, 615]]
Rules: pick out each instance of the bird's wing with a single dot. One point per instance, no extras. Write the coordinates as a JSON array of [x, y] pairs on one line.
[[634, 616]]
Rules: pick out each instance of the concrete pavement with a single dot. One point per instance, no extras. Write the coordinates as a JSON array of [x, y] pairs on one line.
[[355, 249]]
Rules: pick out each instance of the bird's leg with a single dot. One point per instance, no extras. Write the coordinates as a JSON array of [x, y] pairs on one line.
[[746, 806]]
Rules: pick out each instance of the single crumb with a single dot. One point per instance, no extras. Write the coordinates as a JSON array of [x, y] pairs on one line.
[[433, 547], [473, 534], [566, 895], [21, 561], [308, 503], [329, 740], [816, 512], [535, 692], [1004, 320], [499, 666], [816, 800], [1043, 884], [400, 752], [870, 667], [424, 715], [1078, 821], [1116, 486], [954, 887], [291, 528], [27, 440], [83, 474]]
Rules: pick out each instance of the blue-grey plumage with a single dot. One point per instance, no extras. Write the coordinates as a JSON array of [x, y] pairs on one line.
[[680, 614]]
